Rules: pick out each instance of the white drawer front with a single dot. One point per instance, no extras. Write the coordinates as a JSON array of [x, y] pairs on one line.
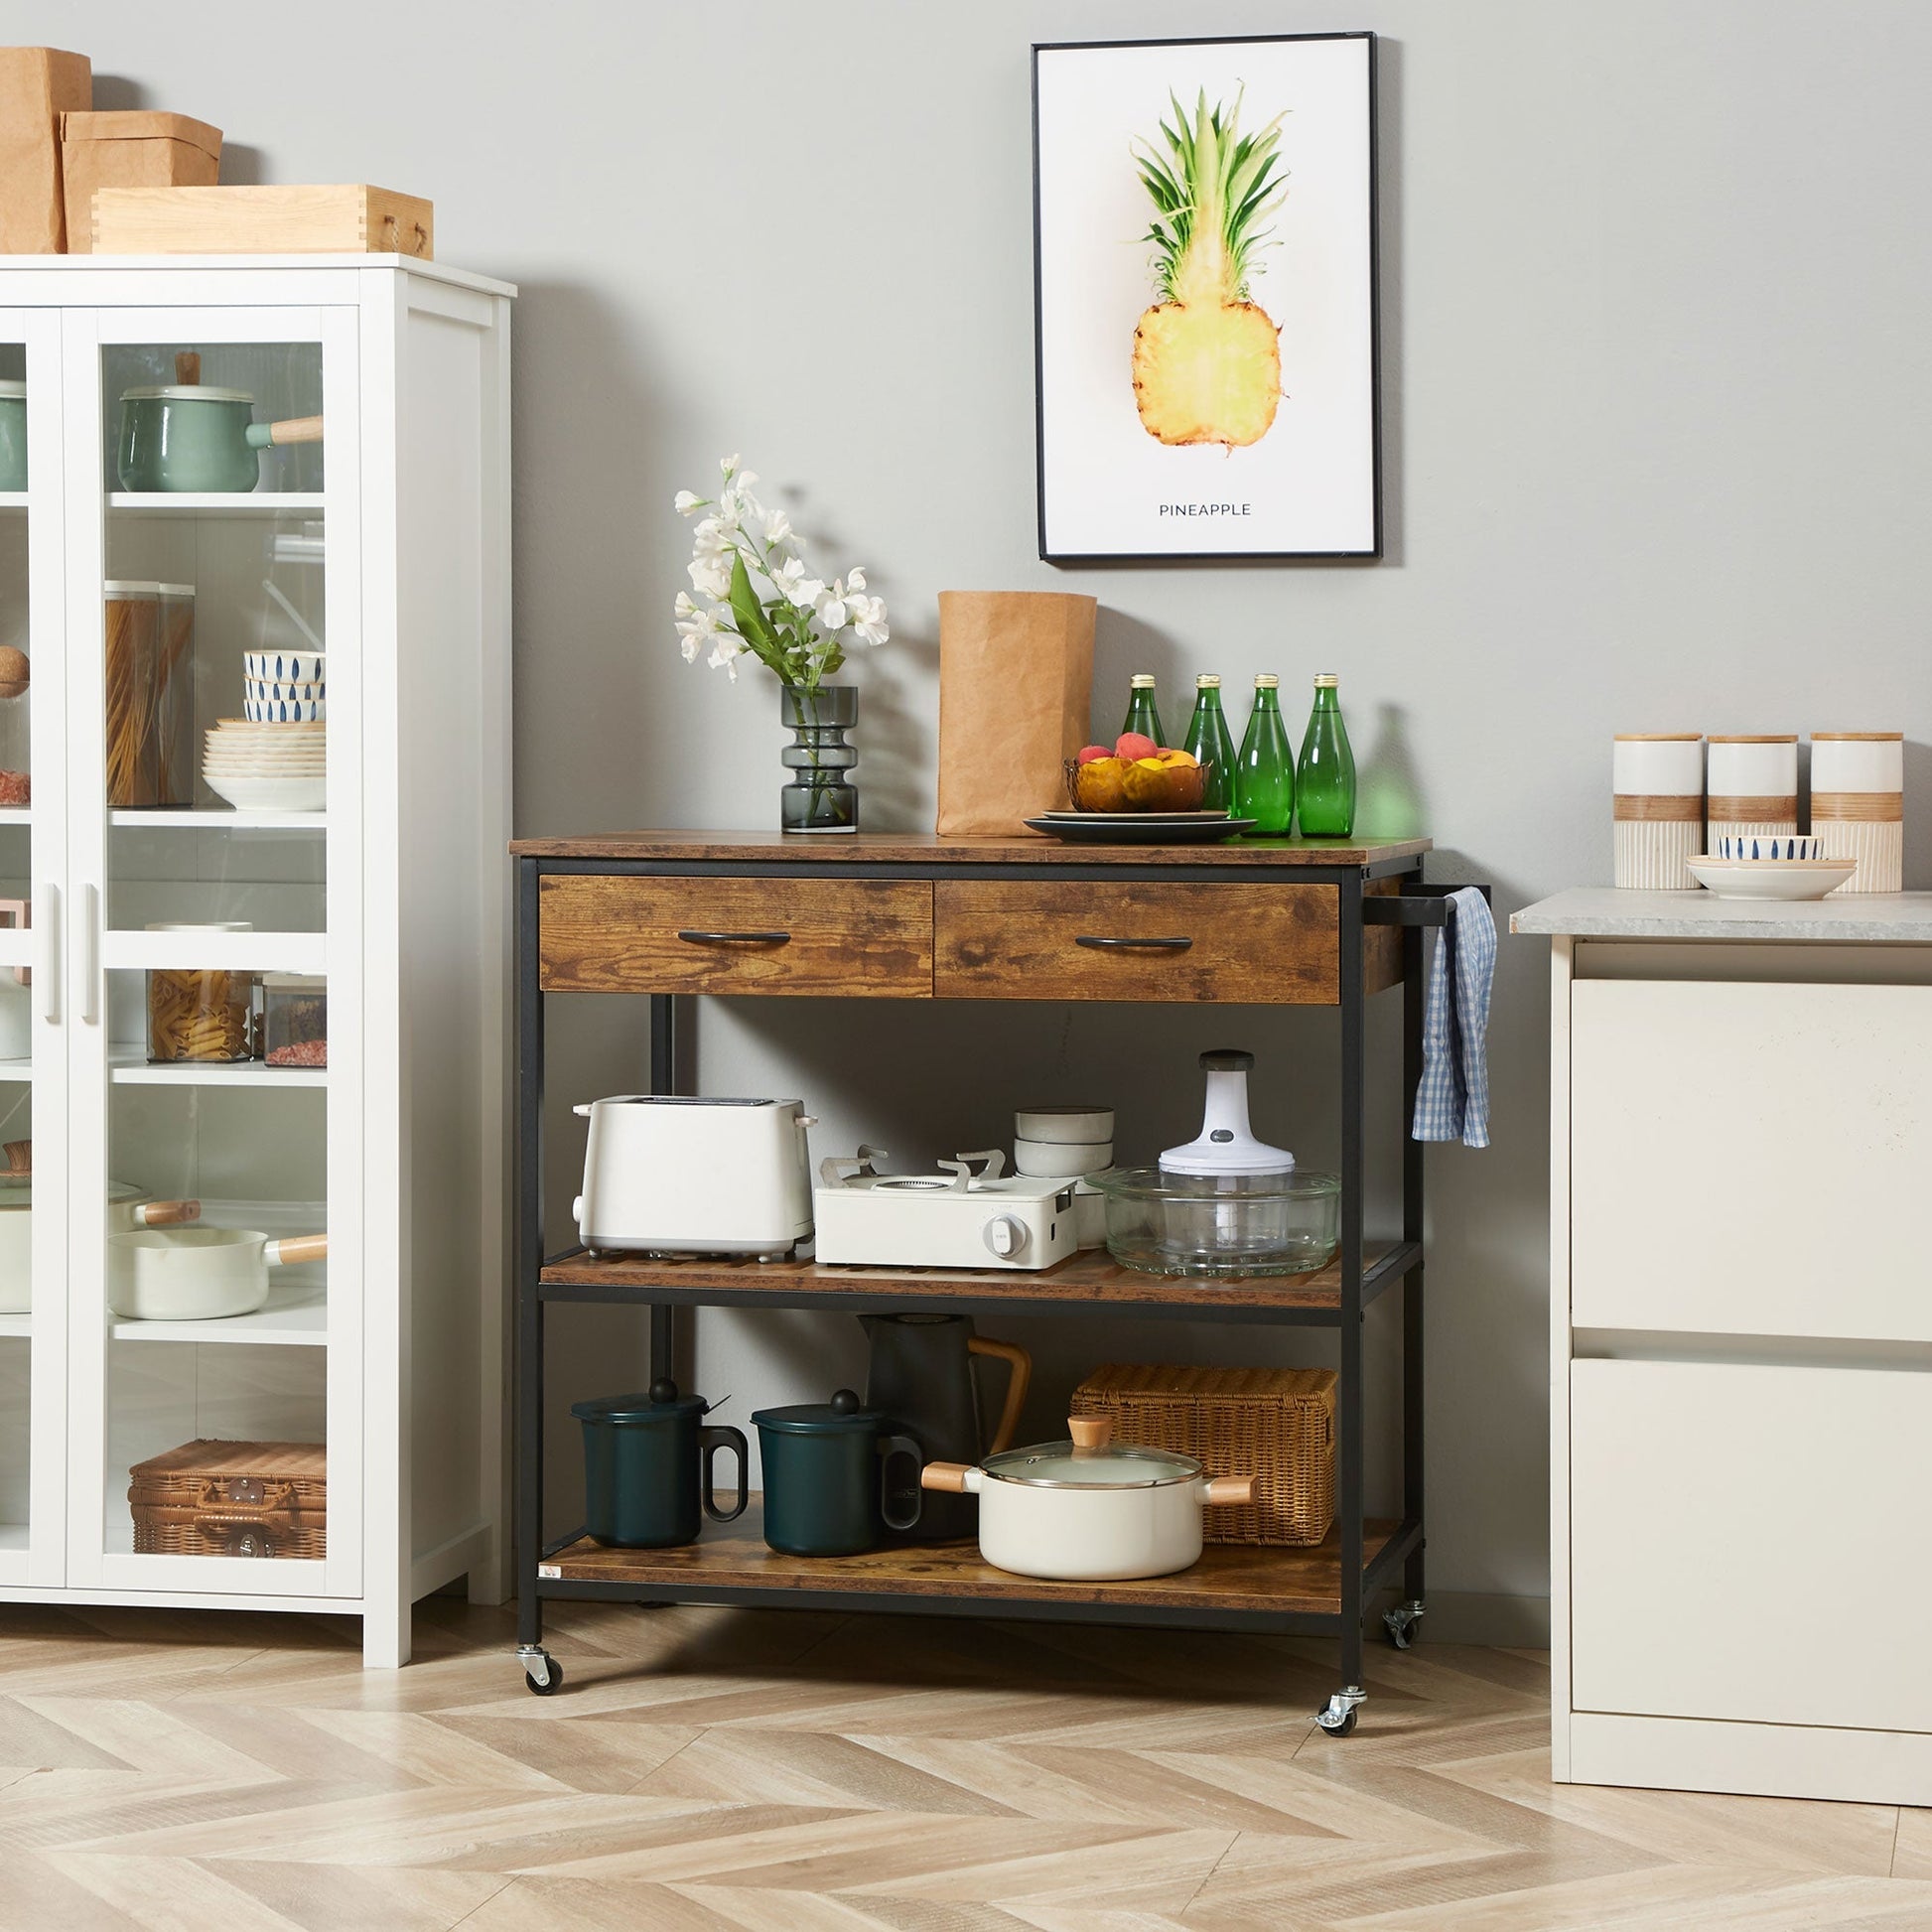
[[1751, 1159], [1737, 1536]]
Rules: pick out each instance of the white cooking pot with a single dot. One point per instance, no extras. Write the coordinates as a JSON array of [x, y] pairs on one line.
[[128, 1208], [1089, 1509], [197, 1274]]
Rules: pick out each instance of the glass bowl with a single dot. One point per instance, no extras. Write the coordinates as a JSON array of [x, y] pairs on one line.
[[1167, 1223]]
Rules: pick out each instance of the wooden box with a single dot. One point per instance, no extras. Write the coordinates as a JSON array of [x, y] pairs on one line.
[[210, 1498], [346, 220], [130, 150], [1278, 1423]]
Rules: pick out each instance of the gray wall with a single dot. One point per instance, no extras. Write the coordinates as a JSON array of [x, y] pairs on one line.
[[1657, 406]]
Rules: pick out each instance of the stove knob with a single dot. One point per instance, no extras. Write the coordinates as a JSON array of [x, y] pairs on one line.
[[1006, 1236]]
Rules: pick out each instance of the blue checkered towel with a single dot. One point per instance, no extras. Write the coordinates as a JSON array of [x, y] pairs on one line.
[[1452, 1098]]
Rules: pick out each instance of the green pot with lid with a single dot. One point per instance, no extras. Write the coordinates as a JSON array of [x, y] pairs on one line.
[[180, 437], [837, 1476], [650, 1467], [13, 435]]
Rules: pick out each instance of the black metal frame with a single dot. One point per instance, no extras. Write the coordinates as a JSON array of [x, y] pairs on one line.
[[1411, 908]]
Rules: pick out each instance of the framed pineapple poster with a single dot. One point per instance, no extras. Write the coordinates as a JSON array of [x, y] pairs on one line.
[[1204, 297]]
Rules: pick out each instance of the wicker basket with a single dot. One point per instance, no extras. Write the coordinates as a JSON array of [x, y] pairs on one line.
[[232, 1499], [1278, 1423]]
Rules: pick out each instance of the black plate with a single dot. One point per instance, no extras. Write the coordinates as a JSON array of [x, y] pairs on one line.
[[1140, 828]]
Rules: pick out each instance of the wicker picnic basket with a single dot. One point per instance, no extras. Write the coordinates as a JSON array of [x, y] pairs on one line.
[[1278, 1423], [232, 1499]]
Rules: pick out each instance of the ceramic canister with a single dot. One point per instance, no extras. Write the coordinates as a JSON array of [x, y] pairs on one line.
[[1753, 784], [1658, 778], [1857, 805]]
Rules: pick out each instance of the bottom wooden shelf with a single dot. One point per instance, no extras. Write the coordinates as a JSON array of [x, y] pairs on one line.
[[735, 1557]]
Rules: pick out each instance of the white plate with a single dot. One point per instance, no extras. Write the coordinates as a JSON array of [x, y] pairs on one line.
[[1771, 878], [270, 795]]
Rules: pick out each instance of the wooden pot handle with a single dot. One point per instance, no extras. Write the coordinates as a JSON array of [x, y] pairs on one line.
[[1020, 1375], [297, 1247], [1231, 1489], [20, 1158], [949, 1476], [296, 429], [1090, 1432], [167, 1213], [187, 368]]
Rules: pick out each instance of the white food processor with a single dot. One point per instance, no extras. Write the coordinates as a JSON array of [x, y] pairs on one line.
[[1223, 1203]]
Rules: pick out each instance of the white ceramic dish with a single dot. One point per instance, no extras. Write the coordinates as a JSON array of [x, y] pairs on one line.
[[293, 666], [256, 794], [1770, 844], [285, 711], [1060, 1159], [1771, 878]]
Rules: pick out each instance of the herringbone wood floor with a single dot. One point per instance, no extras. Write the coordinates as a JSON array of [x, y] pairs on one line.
[[789, 1772]]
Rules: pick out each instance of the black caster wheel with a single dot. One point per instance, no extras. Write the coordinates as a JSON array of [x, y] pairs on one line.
[[1338, 1727], [1338, 1715], [1401, 1623], [544, 1677]]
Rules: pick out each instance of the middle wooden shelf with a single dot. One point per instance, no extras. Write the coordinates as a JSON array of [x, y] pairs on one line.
[[1089, 1282]]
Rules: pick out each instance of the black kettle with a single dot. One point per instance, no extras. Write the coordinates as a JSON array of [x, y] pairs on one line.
[[921, 1377]]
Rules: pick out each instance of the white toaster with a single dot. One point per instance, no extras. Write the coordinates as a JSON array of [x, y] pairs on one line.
[[968, 1216], [669, 1173]]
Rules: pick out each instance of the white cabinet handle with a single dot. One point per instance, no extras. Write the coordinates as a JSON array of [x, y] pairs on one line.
[[90, 954], [46, 949]]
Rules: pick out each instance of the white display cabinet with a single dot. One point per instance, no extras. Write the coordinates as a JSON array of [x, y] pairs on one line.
[[386, 543]]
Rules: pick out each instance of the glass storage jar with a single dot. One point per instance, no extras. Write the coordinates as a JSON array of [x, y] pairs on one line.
[[295, 1020], [202, 1013]]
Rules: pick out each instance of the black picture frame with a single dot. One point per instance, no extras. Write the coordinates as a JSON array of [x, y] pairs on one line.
[[1369, 552]]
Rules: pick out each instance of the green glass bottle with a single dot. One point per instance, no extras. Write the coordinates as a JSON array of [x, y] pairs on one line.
[[1207, 738], [1264, 773], [1141, 716], [1324, 780]]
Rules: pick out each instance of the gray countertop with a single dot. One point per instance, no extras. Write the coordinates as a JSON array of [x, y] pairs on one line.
[[1604, 912]]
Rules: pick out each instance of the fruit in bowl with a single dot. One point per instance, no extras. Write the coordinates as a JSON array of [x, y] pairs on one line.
[[1136, 776]]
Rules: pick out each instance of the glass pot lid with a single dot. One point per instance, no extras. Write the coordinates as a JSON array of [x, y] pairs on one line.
[[1092, 1459]]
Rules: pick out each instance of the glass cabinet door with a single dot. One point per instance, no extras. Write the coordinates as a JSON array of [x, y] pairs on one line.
[[216, 852], [33, 1109]]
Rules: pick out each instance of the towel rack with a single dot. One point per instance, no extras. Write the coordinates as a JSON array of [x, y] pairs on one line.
[[1415, 905]]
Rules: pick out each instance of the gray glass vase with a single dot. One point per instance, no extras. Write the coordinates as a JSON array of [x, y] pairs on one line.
[[819, 797]]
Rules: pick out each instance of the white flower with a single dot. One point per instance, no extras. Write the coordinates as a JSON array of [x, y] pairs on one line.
[[723, 653], [684, 608], [727, 465], [712, 537], [868, 620], [794, 586], [855, 580], [687, 500], [711, 575], [831, 609], [777, 528], [745, 480], [696, 623]]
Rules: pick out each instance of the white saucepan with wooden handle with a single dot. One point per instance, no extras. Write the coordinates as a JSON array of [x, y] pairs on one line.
[[1089, 1509], [199, 1273]]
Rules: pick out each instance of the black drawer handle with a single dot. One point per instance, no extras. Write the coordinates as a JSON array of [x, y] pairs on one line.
[[1152, 945], [736, 938]]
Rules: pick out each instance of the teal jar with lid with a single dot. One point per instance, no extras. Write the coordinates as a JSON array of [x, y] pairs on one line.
[[13, 435], [837, 1476], [650, 1467]]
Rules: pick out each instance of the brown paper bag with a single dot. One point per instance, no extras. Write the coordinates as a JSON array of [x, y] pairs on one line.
[[130, 150], [1016, 682], [37, 84]]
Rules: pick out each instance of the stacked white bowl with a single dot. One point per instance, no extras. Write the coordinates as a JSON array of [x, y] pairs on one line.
[[274, 758]]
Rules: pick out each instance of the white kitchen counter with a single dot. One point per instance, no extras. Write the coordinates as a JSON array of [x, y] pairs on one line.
[[1606, 913]]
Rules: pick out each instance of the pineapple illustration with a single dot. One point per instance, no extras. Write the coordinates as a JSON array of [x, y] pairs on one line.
[[1207, 362]]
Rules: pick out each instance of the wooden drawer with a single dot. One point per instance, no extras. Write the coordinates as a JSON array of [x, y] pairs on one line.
[[1039, 939], [1734, 1529], [1750, 1159], [836, 938]]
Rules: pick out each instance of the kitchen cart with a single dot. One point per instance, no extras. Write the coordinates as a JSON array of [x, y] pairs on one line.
[[670, 916], [383, 900]]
